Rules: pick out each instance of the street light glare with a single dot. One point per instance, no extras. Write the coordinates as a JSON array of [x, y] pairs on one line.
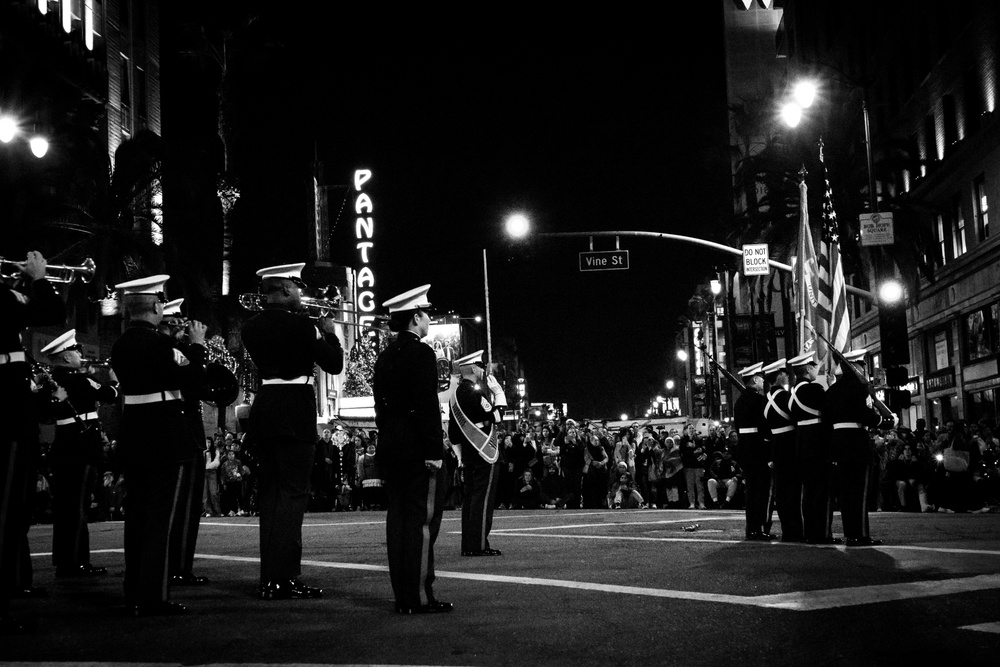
[[891, 291], [804, 93], [791, 113], [39, 146], [624, 417], [8, 128], [670, 384], [517, 225], [682, 355]]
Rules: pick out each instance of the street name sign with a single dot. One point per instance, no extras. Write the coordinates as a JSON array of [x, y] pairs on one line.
[[604, 260], [876, 229], [755, 260]]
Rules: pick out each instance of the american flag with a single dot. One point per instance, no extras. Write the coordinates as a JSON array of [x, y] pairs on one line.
[[832, 296]]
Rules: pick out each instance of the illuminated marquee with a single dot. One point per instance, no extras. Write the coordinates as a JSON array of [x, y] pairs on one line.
[[364, 229]]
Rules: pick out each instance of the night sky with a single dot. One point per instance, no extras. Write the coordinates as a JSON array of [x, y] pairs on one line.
[[580, 121]]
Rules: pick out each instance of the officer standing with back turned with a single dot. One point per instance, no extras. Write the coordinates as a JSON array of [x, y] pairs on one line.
[[754, 451]]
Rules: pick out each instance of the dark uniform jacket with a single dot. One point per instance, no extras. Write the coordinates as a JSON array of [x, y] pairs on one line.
[[748, 413], [407, 412], [79, 441], [778, 422], [146, 362], [477, 404], [806, 404], [847, 402], [285, 345]]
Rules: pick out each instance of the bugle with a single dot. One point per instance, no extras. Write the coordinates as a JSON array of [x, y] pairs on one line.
[[56, 273]]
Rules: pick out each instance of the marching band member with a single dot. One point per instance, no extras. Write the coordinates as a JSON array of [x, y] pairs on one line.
[[411, 452], [77, 449], [475, 412], [754, 450], [284, 346], [813, 450], [184, 534], [154, 437], [787, 484], [19, 431], [848, 415]]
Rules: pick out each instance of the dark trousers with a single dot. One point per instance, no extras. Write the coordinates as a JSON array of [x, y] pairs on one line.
[[70, 500], [817, 504], [184, 535], [416, 499], [758, 492], [852, 498], [481, 481], [13, 505], [152, 500], [284, 472], [788, 496]]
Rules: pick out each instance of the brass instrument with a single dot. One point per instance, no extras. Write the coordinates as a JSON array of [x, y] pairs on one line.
[[56, 273], [314, 308]]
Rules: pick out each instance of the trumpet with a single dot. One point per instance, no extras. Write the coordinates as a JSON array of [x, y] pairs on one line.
[[57, 273], [314, 308]]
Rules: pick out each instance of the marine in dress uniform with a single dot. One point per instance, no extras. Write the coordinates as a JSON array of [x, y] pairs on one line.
[[76, 452], [184, 534], [285, 345], [786, 479], [812, 448], [155, 440], [411, 453], [847, 415], [754, 450], [38, 305], [475, 411]]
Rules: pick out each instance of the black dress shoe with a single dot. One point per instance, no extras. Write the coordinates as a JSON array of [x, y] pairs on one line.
[[863, 542], [288, 590], [30, 592], [432, 607], [158, 609], [492, 552], [760, 537], [187, 579], [80, 571]]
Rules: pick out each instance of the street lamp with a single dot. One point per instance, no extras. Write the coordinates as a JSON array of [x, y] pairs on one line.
[[670, 385], [518, 225], [8, 128], [891, 291]]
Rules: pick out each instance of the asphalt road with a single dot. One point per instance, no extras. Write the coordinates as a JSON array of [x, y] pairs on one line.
[[572, 588]]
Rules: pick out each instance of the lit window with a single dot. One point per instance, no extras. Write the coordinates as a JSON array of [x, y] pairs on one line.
[[43, 6], [982, 208], [66, 12], [958, 245], [942, 246], [88, 24]]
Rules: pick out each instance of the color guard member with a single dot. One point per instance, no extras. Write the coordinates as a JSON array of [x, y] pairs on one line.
[[155, 440], [475, 412], [787, 482], [411, 452], [754, 451], [812, 450], [285, 345], [39, 305], [77, 450], [848, 415]]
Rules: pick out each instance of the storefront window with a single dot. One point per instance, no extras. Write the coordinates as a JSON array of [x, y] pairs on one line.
[[982, 405], [940, 352], [978, 330], [942, 410]]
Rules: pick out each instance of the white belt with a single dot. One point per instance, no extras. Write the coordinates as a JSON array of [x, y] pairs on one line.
[[11, 357], [847, 425], [71, 420], [782, 429], [808, 422], [748, 430], [158, 397], [302, 379]]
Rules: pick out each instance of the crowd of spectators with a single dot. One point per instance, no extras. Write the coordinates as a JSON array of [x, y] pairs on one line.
[[568, 465]]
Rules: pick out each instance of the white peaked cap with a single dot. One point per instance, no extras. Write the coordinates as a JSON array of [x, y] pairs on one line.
[[171, 308], [856, 355], [64, 341], [753, 369], [803, 359], [151, 286], [414, 299], [287, 271], [775, 366], [470, 359]]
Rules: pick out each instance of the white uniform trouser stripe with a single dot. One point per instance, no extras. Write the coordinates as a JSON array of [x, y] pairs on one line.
[[173, 512], [486, 507], [425, 548]]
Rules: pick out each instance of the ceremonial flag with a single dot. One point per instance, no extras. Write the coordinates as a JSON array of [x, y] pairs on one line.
[[805, 278], [832, 290]]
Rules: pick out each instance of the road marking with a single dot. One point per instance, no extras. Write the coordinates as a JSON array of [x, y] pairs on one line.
[[993, 628]]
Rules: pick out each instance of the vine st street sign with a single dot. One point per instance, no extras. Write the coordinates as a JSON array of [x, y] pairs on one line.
[[604, 260]]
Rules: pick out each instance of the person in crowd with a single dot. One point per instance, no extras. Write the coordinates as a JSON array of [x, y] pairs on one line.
[[654, 475], [527, 492], [411, 453], [906, 472], [211, 502], [639, 472], [986, 476], [343, 470], [723, 472], [234, 475], [370, 480], [787, 476], [624, 494], [673, 472], [959, 458], [476, 413], [548, 446], [754, 451], [505, 476], [595, 475], [847, 416], [572, 461], [153, 375], [554, 491], [322, 483], [694, 456], [285, 347]]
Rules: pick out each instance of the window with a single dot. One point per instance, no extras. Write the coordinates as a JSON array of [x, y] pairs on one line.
[[940, 350], [126, 98], [978, 334], [981, 207], [958, 245], [941, 240]]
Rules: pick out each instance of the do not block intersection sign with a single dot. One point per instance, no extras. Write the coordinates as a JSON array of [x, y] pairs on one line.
[[755, 260]]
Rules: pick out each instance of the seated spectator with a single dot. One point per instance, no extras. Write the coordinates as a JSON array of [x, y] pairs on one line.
[[907, 472], [527, 492], [626, 495], [554, 491], [725, 472]]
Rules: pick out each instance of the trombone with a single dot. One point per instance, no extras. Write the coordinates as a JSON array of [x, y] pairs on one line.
[[56, 273], [314, 308]]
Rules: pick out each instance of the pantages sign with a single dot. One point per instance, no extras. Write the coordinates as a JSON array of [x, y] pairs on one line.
[[364, 229]]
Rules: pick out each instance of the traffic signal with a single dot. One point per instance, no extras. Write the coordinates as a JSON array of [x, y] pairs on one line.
[[899, 399], [892, 332]]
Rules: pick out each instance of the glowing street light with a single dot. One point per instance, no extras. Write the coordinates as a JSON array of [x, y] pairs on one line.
[[518, 225], [8, 128], [624, 417], [804, 93], [682, 355], [670, 385], [39, 146], [791, 113], [890, 291]]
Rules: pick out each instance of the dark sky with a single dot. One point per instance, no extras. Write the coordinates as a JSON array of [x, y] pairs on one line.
[[581, 121]]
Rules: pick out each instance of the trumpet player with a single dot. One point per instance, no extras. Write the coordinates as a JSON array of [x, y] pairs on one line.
[[77, 450], [184, 534], [284, 346], [18, 421], [155, 376]]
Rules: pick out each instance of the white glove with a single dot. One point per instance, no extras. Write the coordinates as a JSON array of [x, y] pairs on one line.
[[499, 398], [895, 420]]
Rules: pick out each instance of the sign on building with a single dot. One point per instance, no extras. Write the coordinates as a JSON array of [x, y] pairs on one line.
[[755, 260], [876, 229]]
